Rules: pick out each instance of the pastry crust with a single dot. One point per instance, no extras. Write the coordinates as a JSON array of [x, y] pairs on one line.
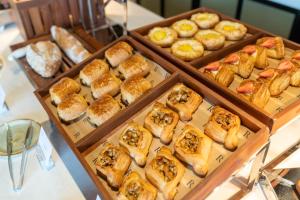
[[274, 46], [259, 54], [134, 187], [63, 88], [211, 40], [93, 71], [188, 49], [112, 164], [184, 101], [137, 140], [231, 30], [118, 53], [205, 20], [185, 28], [296, 58], [223, 126], [165, 172], [161, 121], [162, 36]]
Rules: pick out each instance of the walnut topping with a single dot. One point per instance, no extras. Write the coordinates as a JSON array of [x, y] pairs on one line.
[[226, 120], [190, 142], [162, 118], [166, 168], [179, 96], [132, 137], [108, 157], [133, 190]]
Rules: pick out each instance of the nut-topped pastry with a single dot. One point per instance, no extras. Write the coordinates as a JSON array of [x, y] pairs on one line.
[[161, 121], [118, 53], [231, 30], [112, 164], [137, 140], [188, 49], [162, 36], [274, 46], [183, 100], [134, 187], [211, 40], [259, 54], [205, 20], [93, 71], [193, 147], [223, 126], [165, 172], [63, 88]]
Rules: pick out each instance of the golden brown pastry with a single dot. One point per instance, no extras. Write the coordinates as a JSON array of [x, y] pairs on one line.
[[184, 101], [162, 36], [112, 164], [185, 28], [295, 77], [205, 20], [188, 49], [259, 54], [296, 57], [134, 187], [93, 71], [193, 147], [118, 53], [107, 84], [161, 121], [223, 126], [211, 40], [274, 46], [133, 88], [135, 65], [63, 88], [102, 109], [231, 30], [137, 140], [165, 172]]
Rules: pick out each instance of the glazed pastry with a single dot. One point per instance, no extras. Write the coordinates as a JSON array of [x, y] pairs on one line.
[[135, 65], [93, 71], [133, 88], [118, 53], [165, 172], [205, 20], [102, 109], [231, 30], [162, 36], [223, 126], [71, 108], [296, 57], [185, 28], [63, 88], [274, 46], [134, 187], [211, 40], [137, 140], [112, 164], [193, 147], [188, 49], [259, 54], [161, 121], [107, 84], [256, 92], [183, 100]]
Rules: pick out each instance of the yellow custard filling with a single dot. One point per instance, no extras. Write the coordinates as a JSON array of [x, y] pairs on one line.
[[229, 28], [160, 35], [186, 27], [210, 36], [202, 17], [185, 47]]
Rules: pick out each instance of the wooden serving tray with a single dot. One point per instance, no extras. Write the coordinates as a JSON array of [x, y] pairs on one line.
[[222, 163]]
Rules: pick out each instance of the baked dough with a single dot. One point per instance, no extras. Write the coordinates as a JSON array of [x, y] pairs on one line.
[[223, 126], [259, 54], [188, 49], [112, 164], [161, 121], [63, 88], [185, 28], [118, 53], [211, 40], [93, 71], [296, 57], [205, 20], [137, 140], [134, 187], [165, 172], [231, 30], [184, 101], [274, 46], [162, 36]]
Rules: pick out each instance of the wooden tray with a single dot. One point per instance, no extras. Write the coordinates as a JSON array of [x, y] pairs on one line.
[[223, 163], [88, 42]]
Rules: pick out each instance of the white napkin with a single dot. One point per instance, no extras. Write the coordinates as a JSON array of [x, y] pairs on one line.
[[293, 161]]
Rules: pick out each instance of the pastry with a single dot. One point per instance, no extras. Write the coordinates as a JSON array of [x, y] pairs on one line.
[[161, 121], [296, 57], [259, 54], [137, 140], [93, 71], [118, 53], [231, 30], [69, 44], [102, 109], [223, 126], [162, 36], [193, 147], [112, 164], [211, 40], [165, 172], [274, 46], [188, 49], [44, 58], [134, 187], [133, 88], [63, 88], [183, 100], [135, 65], [71, 108], [295, 77], [107, 84], [185, 28], [205, 20]]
